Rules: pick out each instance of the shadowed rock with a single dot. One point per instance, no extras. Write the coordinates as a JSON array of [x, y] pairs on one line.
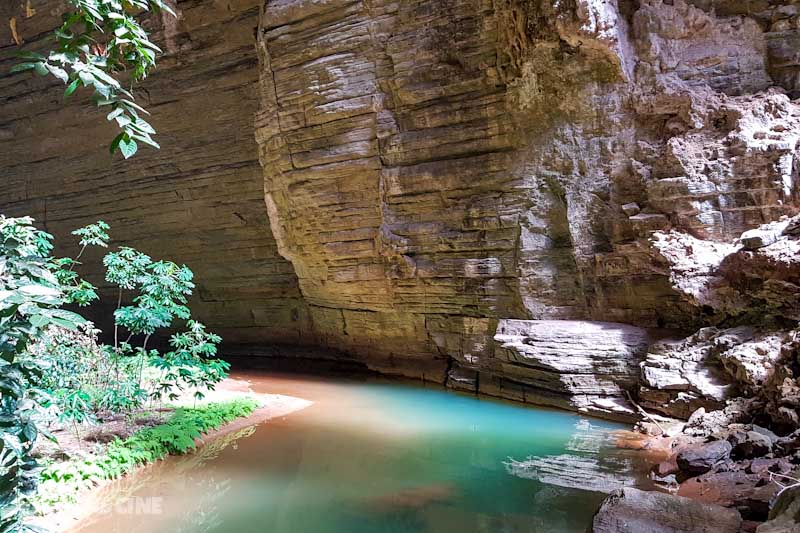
[[630, 510]]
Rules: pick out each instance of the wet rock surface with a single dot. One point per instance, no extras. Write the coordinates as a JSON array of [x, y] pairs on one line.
[[784, 517]]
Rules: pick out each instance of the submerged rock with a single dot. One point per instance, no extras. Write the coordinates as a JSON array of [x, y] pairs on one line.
[[631, 510]]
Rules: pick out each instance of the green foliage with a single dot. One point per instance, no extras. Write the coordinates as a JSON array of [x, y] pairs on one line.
[[98, 40], [30, 299], [123, 268], [93, 235], [163, 287], [63, 481], [121, 377], [192, 363], [85, 378], [52, 366]]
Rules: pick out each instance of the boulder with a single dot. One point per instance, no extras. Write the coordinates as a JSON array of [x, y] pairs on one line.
[[767, 433], [667, 467], [763, 236], [750, 494], [630, 510], [762, 465], [700, 458], [784, 517], [787, 445], [749, 444], [631, 209]]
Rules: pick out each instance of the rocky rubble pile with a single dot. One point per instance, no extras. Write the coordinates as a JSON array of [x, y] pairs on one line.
[[741, 467], [727, 396], [749, 292], [719, 477]]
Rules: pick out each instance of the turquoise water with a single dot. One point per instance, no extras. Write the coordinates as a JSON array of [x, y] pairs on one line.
[[377, 457]]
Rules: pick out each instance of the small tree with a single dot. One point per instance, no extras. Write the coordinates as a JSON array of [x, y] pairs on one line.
[[46, 360]]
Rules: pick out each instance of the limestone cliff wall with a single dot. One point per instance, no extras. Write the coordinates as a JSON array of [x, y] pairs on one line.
[[432, 167], [199, 200], [412, 182]]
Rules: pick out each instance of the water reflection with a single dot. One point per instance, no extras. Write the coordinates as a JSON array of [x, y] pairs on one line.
[[379, 457], [585, 467]]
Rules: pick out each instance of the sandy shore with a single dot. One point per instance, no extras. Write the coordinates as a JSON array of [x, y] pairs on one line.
[[271, 406]]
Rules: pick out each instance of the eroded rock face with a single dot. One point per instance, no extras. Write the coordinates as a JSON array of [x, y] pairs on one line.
[[755, 280], [434, 175], [199, 200], [475, 163]]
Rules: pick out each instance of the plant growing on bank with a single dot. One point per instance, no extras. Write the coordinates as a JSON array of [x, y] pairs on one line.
[[31, 296], [51, 366], [123, 376], [62, 482], [97, 42]]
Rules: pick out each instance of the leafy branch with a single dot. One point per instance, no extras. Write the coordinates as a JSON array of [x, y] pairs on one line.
[[97, 40]]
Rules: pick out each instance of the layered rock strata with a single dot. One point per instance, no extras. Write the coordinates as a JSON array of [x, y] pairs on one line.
[[433, 182], [199, 200], [587, 366], [480, 163]]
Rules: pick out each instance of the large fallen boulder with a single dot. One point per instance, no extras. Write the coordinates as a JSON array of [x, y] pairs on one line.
[[630, 510]]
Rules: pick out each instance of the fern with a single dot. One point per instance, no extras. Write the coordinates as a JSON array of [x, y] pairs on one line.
[[61, 482]]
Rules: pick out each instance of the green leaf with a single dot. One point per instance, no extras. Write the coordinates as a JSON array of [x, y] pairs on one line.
[[26, 54], [117, 112], [40, 320], [21, 67], [136, 106], [58, 72], [71, 88], [115, 143], [147, 140], [128, 147], [40, 68]]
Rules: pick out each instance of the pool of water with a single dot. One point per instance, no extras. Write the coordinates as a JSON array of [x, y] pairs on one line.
[[380, 457]]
